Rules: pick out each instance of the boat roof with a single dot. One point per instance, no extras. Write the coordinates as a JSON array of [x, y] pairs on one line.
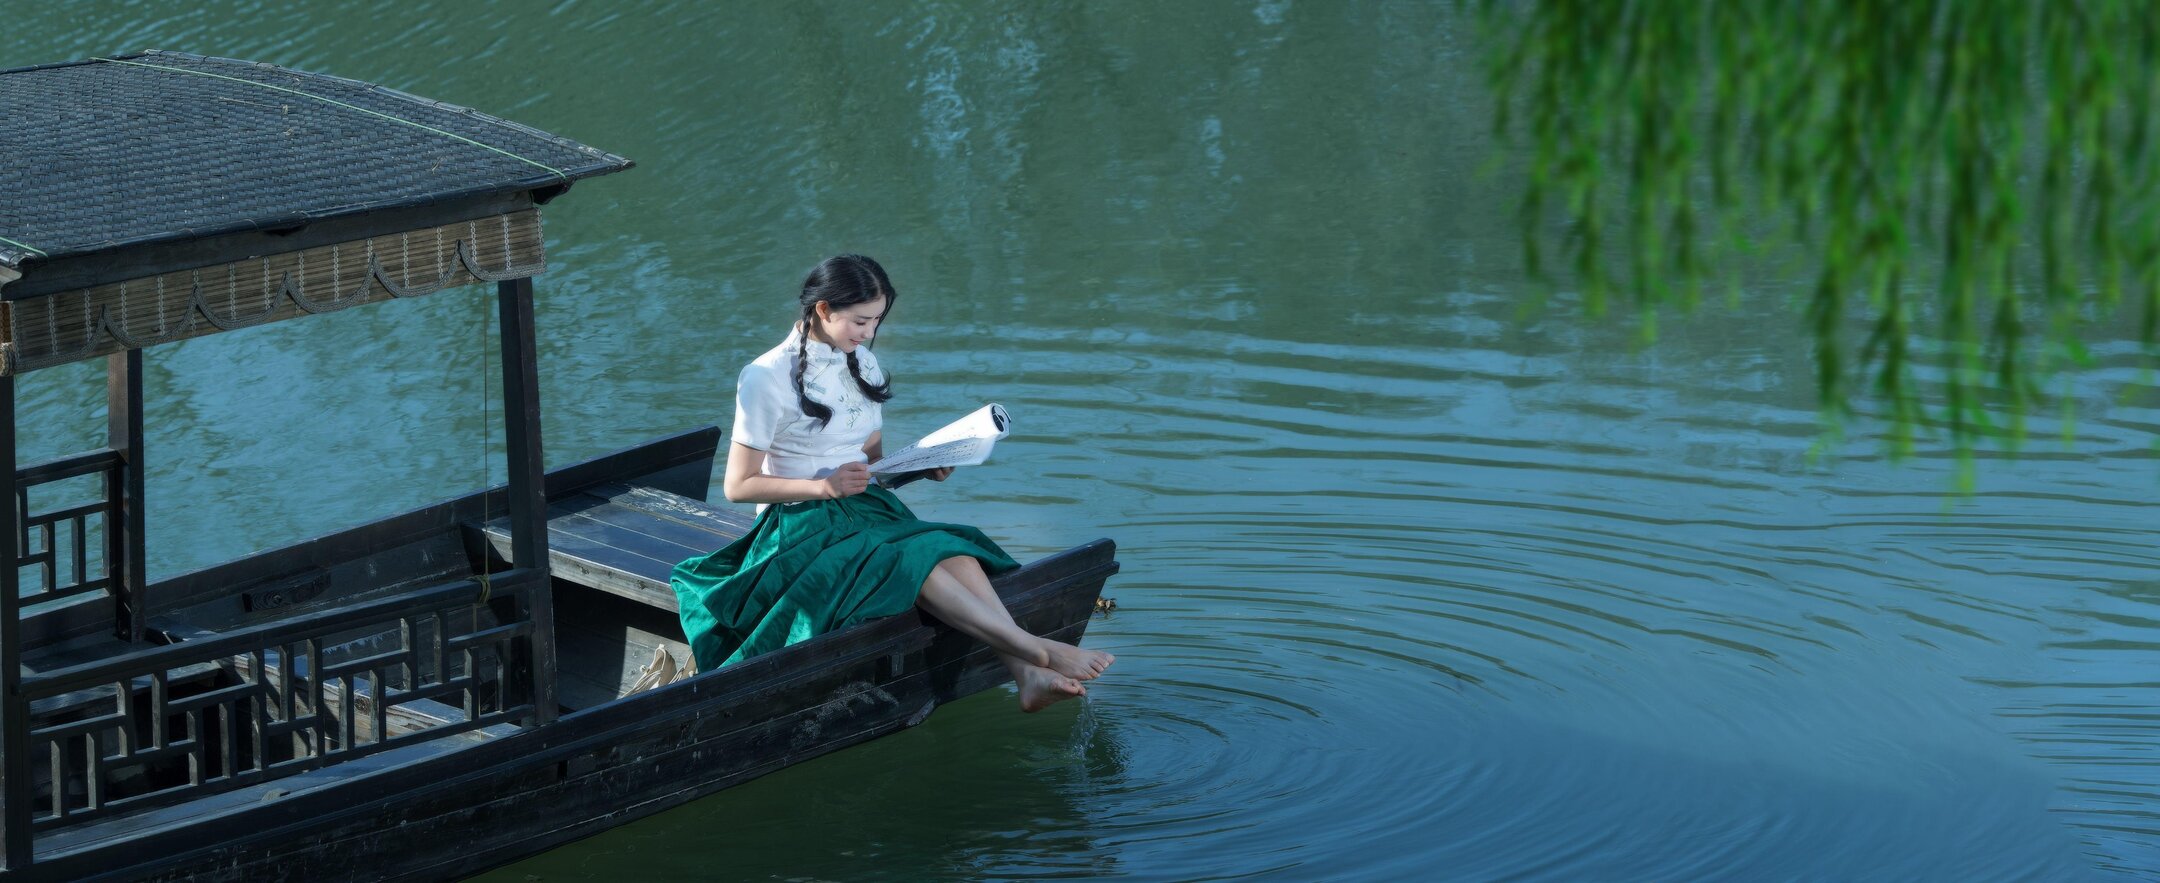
[[108, 154], [156, 197]]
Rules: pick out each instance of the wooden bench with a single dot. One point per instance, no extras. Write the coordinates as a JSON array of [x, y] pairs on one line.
[[624, 540]]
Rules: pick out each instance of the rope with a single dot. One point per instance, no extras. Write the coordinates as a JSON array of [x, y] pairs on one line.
[[374, 113], [35, 251]]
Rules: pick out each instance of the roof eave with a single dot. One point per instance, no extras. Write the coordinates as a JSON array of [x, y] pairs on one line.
[[135, 260]]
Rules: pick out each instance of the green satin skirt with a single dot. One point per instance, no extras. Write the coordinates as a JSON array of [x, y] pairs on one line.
[[808, 568]]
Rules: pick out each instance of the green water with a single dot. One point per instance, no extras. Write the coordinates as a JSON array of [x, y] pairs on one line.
[[1414, 587]]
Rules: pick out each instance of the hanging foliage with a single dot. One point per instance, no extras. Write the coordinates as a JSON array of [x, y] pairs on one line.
[[1971, 181]]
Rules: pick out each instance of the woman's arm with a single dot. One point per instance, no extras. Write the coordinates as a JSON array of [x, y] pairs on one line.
[[746, 481]]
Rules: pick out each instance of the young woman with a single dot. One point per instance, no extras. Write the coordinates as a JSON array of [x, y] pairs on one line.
[[830, 548]]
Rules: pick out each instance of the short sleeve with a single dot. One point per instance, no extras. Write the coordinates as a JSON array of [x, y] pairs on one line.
[[764, 404]]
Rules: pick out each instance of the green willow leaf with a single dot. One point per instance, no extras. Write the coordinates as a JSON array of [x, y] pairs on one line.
[[1973, 180]]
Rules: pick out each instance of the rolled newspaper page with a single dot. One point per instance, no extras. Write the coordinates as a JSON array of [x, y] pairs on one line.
[[963, 442]]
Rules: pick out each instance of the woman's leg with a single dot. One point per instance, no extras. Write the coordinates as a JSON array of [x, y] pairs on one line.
[[944, 595], [1013, 663], [948, 599], [1065, 659]]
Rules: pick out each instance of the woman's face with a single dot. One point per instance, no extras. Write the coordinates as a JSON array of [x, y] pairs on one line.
[[846, 328]]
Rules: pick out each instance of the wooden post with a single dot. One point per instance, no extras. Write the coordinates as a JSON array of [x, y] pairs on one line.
[[124, 543], [15, 796], [528, 496]]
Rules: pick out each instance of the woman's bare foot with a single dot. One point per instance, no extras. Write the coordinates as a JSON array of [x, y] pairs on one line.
[[1041, 688], [1075, 662]]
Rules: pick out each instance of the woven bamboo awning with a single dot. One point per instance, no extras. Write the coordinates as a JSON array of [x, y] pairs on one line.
[[156, 197]]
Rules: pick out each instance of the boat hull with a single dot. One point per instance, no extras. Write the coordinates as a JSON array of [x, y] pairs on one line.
[[445, 814]]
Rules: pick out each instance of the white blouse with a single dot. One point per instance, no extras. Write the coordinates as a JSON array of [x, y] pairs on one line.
[[768, 418]]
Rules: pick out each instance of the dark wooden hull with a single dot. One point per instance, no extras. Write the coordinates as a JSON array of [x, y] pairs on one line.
[[442, 814]]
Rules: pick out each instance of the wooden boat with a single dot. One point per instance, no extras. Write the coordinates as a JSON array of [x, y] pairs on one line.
[[425, 696]]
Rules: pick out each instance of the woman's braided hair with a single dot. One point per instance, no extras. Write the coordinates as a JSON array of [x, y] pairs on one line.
[[838, 282]]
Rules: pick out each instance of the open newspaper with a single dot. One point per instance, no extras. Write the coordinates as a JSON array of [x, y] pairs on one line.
[[963, 442]]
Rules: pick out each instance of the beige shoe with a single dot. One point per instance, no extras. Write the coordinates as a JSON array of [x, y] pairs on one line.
[[660, 671]]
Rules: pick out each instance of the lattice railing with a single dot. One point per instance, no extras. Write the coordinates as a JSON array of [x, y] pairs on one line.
[[64, 510], [309, 692]]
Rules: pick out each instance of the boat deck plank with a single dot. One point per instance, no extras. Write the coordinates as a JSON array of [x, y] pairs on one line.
[[694, 539], [625, 540], [641, 543], [604, 567], [676, 507]]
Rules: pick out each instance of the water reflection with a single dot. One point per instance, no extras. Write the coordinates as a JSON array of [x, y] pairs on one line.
[[1414, 585], [983, 797]]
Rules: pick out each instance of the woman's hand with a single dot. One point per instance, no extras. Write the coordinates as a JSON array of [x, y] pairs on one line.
[[939, 474], [847, 481]]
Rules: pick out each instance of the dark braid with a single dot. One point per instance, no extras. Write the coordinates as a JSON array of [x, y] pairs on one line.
[[815, 411], [880, 393], [841, 281]]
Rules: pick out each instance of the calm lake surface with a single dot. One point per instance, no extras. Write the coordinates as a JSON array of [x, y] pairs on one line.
[[1414, 586]]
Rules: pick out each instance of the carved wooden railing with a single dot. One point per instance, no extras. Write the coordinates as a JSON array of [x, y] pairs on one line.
[[296, 695], [57, 539]]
